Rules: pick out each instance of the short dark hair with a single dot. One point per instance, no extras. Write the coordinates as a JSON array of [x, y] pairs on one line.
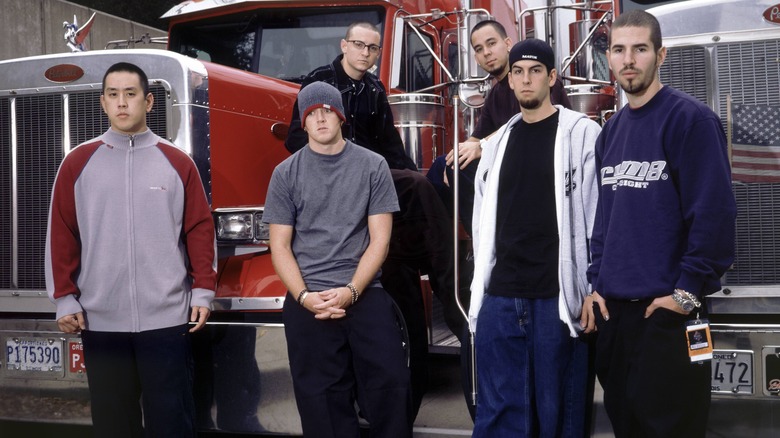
[[363, 24], [639, 18], [495, 24], [130, 68]]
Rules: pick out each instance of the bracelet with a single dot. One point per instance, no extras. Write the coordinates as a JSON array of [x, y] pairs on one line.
[[302, 296], [681, 299], [354, 291], [691, 297]]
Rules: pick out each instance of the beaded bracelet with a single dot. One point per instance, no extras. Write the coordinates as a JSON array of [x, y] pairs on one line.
[[302, 296], [354, 291]]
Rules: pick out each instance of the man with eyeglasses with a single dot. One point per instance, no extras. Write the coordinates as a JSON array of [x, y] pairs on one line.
[[421, 239]]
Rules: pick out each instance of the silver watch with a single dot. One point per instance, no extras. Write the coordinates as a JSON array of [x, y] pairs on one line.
[[686, 300]]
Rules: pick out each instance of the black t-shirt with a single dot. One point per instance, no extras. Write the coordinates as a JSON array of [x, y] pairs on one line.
[[526, 224]]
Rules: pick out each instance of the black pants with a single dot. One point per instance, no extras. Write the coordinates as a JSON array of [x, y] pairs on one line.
[[422, 239], [465, 188], [421, 243], [228, 378], [651, 388], [154, 367], [360, 358]]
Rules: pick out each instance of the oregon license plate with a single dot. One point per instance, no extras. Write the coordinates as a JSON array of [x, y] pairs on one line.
[[771, 354], [33, 354], [732, 371]]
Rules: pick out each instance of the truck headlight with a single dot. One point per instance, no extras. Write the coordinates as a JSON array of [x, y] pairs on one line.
[[234, 226], [241, 225]]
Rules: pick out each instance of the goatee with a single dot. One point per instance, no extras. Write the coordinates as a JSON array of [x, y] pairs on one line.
[[530, 104]]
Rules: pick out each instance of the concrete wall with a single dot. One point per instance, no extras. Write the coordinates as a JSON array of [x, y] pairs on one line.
[[34, 27]]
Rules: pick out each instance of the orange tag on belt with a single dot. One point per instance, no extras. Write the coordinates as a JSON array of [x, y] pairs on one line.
[[697, 333]]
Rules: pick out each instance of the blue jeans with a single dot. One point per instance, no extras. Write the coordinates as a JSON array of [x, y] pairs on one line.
[[531, 375]]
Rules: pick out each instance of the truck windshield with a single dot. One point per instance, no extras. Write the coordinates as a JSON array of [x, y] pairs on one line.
[[282, 43]]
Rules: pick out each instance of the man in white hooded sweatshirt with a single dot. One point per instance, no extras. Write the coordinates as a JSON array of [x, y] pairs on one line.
[[534, 206]]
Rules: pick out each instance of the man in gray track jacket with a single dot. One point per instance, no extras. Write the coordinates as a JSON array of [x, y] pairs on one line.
[[130, 259], [534, 206]]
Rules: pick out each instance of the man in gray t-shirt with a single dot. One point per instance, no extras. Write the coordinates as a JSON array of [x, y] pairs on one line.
[[330, 208], [328, 200]]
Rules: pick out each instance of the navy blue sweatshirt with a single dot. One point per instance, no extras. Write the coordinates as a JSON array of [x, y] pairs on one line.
[[666, 212]]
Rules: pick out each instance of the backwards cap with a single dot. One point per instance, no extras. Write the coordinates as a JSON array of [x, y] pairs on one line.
[[532, 49]]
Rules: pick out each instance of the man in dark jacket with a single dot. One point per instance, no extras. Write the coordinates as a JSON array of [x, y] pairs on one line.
[[369, 120]]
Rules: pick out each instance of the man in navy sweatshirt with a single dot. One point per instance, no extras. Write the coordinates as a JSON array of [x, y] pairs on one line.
[[663, 237]]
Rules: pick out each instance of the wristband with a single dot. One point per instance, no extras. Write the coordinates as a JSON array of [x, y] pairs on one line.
[[354, 292], [302, 296]]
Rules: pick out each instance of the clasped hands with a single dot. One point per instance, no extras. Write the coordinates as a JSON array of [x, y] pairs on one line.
[[329, 304]]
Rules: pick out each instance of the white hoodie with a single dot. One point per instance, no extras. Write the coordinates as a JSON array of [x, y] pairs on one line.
[[575, 167]]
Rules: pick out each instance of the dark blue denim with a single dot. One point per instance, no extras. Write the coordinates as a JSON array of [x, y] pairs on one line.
[[531, 375]]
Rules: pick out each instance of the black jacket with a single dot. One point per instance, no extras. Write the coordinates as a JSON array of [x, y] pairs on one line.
[[369, 118]]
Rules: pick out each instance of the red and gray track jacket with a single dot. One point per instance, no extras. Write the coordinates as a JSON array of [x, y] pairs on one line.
[[130, 239]]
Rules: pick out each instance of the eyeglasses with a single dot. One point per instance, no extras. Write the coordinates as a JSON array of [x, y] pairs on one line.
[[360, 45]]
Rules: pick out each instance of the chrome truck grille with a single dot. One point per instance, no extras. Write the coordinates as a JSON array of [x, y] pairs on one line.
[[28, 168], [746, 67], [758, 235], [711, 74], [685, 69]]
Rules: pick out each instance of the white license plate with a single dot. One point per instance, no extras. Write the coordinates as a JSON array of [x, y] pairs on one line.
[[33, 354], [732, 372]]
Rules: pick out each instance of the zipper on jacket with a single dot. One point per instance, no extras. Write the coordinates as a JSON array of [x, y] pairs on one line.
[[134, 311]]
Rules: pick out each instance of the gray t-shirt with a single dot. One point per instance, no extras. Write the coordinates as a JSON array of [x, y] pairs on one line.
[[327, 199]]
